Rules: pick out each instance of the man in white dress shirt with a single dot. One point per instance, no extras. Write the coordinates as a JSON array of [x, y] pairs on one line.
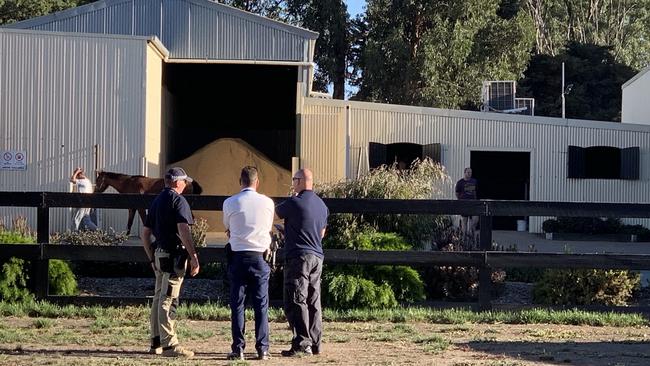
[[248, 218]]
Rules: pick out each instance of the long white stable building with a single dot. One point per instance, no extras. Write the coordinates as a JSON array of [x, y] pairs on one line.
[[134, 85]]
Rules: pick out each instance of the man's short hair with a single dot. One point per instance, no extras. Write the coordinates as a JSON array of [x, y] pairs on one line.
[[248, 175]]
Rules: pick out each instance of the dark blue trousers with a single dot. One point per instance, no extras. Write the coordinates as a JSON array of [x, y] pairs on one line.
[[249, 275]]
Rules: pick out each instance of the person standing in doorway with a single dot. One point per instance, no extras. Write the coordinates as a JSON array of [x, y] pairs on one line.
[[169, 221], [248, 219], [305, 219], [82, 217], [466, 189]]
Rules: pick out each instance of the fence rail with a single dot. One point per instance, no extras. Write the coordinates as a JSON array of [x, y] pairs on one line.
[[485, 259]]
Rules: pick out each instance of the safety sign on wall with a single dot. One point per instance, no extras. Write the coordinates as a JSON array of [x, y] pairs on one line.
[[13, 160]]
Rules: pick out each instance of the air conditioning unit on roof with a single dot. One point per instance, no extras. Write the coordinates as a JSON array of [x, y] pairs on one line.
[[499, 96], [528, 104]]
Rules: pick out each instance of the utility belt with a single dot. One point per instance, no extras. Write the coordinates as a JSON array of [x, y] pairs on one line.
[[172, 261]]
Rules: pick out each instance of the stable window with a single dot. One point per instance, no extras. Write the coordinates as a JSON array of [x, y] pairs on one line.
[[603, 162], [401, 154]]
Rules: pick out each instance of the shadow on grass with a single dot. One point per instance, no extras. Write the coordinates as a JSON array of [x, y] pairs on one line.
[[18, 351], [628, 353]]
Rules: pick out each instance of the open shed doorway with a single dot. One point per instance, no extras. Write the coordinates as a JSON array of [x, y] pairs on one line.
[[219, 118], [206, 102], [502, 175]]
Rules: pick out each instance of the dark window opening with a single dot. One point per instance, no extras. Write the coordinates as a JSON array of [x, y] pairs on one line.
[[403, 154], [603, 162]]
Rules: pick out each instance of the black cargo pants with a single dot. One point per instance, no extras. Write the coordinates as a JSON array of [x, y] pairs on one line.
[[302, 302]]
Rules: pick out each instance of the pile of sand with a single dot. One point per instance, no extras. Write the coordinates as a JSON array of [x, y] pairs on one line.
[[216, 167]]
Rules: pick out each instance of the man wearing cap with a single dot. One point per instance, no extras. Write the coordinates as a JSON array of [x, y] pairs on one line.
[[248, 218], [169, 221]]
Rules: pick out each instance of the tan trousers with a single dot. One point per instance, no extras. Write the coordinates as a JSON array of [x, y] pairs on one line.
[[165, 302]]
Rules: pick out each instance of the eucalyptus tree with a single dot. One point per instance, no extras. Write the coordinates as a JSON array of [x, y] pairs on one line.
[[437, 53], [623, 25]]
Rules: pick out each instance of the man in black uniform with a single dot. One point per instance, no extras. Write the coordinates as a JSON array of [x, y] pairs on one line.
[[168, 220]]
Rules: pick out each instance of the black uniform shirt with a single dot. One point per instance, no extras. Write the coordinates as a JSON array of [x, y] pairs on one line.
[[167, 210]]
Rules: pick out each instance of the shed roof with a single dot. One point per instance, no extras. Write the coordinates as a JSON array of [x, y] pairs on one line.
[[152, 40], [194, 29], [636, 77]]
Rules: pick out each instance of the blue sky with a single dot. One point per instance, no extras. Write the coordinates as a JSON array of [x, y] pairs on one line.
[[355, 6]]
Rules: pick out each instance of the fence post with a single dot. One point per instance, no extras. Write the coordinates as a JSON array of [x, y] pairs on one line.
[[41, 266], [484, 272]]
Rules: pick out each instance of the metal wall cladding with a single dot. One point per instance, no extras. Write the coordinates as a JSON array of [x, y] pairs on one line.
[[322, 140], [190, 29], [61, 95], [460, 132]]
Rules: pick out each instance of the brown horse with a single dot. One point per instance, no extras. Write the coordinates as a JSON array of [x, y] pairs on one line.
[[136, 184]]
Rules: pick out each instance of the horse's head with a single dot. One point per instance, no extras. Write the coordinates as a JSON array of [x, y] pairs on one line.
[[101, 183], [196, 188], [193, 188]]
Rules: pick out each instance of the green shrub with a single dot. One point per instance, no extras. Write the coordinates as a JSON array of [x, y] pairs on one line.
[[370, 240], [349, 291], [594, 225], [16, 273], [14, 277], [585, 287], [375, 286], [13, 281], [61, 279], [405, 282], [424, 180], [12, 237]]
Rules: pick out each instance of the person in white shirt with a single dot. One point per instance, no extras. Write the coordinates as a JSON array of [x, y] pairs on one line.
[[248, 218], [82, 219]]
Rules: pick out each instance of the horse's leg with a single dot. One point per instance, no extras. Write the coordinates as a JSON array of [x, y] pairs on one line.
[[143, 214], [130, 222]]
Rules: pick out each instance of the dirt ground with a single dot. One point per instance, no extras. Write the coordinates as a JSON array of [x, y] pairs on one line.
[[29, 341]]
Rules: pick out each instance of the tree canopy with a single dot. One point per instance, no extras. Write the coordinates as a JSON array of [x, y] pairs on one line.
[[596, 79], [12, 11], [624, 26], [437, 53]]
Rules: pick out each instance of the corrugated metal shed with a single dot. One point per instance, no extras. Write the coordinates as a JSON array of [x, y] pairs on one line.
[[190, 29], [325, 124], [62, 94]]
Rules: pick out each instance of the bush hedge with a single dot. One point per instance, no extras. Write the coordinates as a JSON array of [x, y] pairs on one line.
[[16, 273], [594, 225], [585, 287], [349, 286]]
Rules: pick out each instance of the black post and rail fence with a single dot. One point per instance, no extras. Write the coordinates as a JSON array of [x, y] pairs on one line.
[[485, 259]]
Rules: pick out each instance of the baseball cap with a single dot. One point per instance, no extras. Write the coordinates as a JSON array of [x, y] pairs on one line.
[[177, 173]]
